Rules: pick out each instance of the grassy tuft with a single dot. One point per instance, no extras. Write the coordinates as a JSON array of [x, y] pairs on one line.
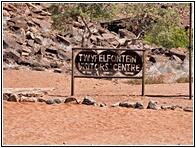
[[148, 80], [183, 79]]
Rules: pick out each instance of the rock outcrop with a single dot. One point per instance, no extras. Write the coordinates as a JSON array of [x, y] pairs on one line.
[[29, 42]]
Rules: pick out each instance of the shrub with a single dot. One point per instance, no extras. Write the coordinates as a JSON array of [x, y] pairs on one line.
[[64, 14], [167, 36], [160, 22]]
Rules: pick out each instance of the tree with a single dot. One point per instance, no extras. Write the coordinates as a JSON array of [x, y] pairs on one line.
[[159, 22], [64, 14]]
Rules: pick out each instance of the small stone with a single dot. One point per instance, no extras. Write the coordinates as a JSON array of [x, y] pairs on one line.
[[41, 100], [188, 109], [153, 105], [177, 107], [139, 105], [38, 68], [57, 70], [102, 105], [70, 99], [28, 99], [51, 101], [176, 58], [173, 107], [78, 101], [127, 104], [57, 100], [164, 107], [5, 97], [14, 98], [88, 101], [116, 104], [179, 52], [152, 59]]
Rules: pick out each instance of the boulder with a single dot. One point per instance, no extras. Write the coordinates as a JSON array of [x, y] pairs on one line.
[[176, 58], [58, 100], [14, 55], [124, 41], [127, 104], [51, 101], [102, 105], [139, 105], [28, 99], [63, 40], [116, 104], [88, 101], [125, 33], [19, 22], [179, 52], [108, 36], [14, 98], [164, 107], [57, 70], [26, 49], [30, 42], [64, 55], [41, 100], [10, 41], [158, 50], [5, 96], [38, 40], [70, 99], [38, 68], [9, 7], [188, 109], [37, 21], [176, 107], [153, 105], [45, 25], [152, 59]]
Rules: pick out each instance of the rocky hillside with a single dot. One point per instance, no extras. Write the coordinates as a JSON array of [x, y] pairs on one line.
[[29, 42]]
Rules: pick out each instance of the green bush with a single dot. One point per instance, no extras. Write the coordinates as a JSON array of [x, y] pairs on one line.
[[167, 36], [162, 22]]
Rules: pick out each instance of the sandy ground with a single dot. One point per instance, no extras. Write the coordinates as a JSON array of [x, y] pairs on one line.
[[77, 124]]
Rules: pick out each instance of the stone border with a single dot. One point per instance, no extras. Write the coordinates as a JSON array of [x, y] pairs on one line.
[[88, 100]]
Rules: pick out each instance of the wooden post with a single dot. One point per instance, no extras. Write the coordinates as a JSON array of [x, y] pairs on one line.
[[143, 72], [72, 74], [190, 54]]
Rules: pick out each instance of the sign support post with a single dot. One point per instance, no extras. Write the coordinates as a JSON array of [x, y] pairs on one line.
[[72, 74], [143, 72], [190, 54]]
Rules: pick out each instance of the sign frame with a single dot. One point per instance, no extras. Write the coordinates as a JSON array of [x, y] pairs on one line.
[[106, 49]]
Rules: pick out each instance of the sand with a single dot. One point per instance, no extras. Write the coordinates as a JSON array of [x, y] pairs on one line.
[[77, 124]]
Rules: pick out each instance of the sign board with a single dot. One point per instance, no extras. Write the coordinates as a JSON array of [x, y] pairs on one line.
[[107, 63]]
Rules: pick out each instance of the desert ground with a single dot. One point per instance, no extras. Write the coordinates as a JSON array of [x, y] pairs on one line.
[[27, 123]]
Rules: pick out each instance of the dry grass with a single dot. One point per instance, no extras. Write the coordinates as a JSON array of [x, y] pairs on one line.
[[183, 79], [148, 80], [154, 80]]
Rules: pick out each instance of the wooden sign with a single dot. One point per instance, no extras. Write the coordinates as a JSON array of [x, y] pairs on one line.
[[108, 63]]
